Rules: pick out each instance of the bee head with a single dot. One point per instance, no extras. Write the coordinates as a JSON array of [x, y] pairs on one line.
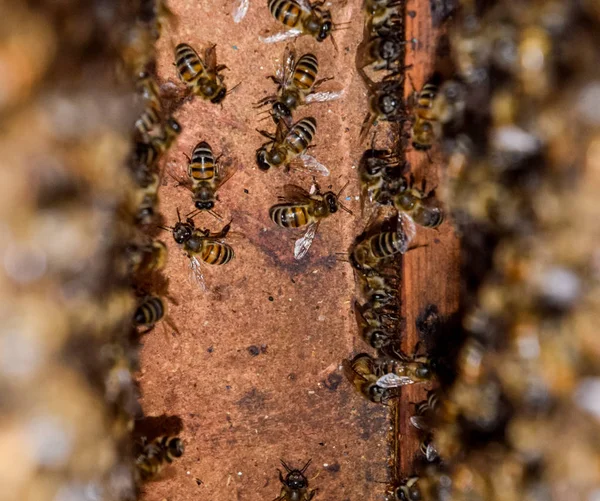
[[204, 205], [145, 214], [389, 103], [296, 480], [280, 111], [182, 232], [219, 96], [332, 203], [261, 159], [390, 50], [324, 31], [204, 198]]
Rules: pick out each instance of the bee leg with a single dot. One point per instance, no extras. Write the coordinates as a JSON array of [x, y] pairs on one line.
[[220, 68], [320, 82], [266, 134], [312, 494]]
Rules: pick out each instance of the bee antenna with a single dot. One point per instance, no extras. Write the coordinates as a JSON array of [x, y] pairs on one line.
[[166, 228], [344, 208], [192, 214], [215, 214], [283, 463], [233, 88], [186, 156], [342, 189], [306, 466], [178, 215], [333, 42]]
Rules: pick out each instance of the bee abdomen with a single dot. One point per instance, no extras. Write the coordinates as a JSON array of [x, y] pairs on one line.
[[427, 96], [285, 11], [302, 134], [189, 65], [217, 253], [149, 118], [289, 216], [150, 311], [202, 166], [386, 244], [305, 72]]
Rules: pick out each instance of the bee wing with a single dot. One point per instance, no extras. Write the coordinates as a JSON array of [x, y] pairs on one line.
[[392, 380], [407, 229], [294, 193], [320, 97], [210, 57], [303, 244], [304, 5], [286, 70], [224, 174], [179, 173], [196, 275], [431, 453], [240, 10], [312, 164], [280, 37], [350, 373], [419, 422]]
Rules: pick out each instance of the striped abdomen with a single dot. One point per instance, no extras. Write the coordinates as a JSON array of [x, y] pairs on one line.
[[290, 215], [216, 253], [287, 12], [425, 101], [386, 244], [189, 65], [150, 311], [150, 118], [301, 135], [305, 72], [202, 166]]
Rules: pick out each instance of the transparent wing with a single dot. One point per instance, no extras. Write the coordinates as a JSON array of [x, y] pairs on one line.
[[295, 193], [431, 453], [303, 244], [350, 373], [196, 276], [392, 380], [312, 164], [304, 5], [286, 70], [210, 57], [419, 423], [240, 10], [320, 97], [407, 229], [280, 37]]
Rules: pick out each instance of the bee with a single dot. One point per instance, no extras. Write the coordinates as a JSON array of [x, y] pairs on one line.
[[408, 490], [378, 290], [414, 206], [374, 331], [148, 258], [151, 116], [432, 108], [382, 53], [201, 76], [380, 173], [156, 454], [289, 144], [360, 373], [403, 369], [427, 448], [386, 102], [383, 17], [300, 208], [201, 245], [372, 252], [204, 177], [425, 412], [296, 84], [148, 153], [295, 484], [149, 311], [302, 17], [147, 200]]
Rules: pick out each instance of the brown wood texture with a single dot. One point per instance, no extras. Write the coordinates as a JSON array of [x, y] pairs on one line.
[[430, 274], [253, 374]]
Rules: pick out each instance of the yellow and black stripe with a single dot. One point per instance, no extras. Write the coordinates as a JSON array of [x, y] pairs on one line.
[[190, 67], [216, 253], [305, 72], [301, 135], [150, 311], [385, 244], [202, 165], [290, 215], [287, 12]]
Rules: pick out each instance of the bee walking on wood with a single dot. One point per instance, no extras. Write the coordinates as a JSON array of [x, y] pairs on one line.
[[288, 145], [295, 484], [300, 208], [360, 373], [296, 84], [201, 76]]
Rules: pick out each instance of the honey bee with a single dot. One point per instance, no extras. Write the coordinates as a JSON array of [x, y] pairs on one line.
[[150, 310], [374, 331], [408, 490], [151, 116], [300, 208], [432, 109], [414, 206], [147, 201], [204, 177], [386, 102], [382, 52], [302, 17], [380, 173], [156, 454], [372, 252], [378, 290], [296, 84], [148, 258], [148, 153], [425, 412], [383, 17], [402, 369], [201, 245], [289, 144], [295, 484], [201, 76], [360, 373]]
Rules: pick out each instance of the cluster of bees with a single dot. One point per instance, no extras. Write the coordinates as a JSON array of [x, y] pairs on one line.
[[520, 420]]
